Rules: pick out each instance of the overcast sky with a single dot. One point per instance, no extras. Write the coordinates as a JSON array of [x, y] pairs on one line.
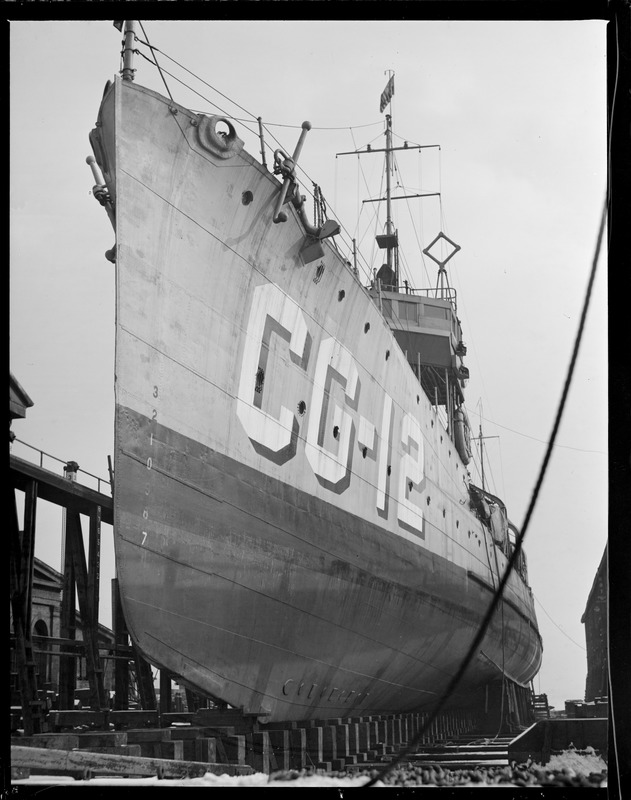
[[519, 110]]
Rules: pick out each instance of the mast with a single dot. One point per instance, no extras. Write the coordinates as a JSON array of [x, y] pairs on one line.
[[128, 49], [389, 240], [481, 439], [389, 224]]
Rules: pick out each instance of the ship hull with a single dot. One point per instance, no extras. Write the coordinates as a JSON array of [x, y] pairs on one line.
[[292, 526]]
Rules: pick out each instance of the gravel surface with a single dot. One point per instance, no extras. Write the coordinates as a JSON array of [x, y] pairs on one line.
[[568, 769]]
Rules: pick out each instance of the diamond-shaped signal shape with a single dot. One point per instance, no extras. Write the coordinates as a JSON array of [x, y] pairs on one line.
[[441, 263]]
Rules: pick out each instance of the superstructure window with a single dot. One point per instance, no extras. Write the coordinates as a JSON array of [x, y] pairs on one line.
[[408, 311], [438, 312]]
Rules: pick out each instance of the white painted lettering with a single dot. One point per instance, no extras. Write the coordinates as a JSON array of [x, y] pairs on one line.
[[411, 471], [268, 303], [331, 461]]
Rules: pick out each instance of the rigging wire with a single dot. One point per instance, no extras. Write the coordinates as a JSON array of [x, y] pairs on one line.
[[245, 110], [266, 125], [362, 174], [454, 683], [499, 442], [201, 80], [489, 478], [534, 438], [154, 58], [417, 233], [199, 94], [223, 111], [556, 625]]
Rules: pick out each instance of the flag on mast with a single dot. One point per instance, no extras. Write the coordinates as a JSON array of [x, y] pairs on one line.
[[387, 93]]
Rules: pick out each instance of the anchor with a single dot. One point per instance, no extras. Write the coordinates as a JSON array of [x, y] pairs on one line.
[[286, 166]]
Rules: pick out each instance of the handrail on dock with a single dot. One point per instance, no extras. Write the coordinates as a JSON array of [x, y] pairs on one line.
[[43, 453]]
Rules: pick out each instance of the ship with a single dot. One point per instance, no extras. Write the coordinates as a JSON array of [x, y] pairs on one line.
[[297, 534]]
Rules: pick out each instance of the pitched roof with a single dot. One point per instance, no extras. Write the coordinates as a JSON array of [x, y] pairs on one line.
[[19, 400], [44, 573]]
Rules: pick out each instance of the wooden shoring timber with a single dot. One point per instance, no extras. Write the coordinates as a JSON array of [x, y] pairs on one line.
[[88, 609], [68, 628], [21, 560], [121, 639], [94, 563], [165, 691], [144, 677], [28, 553], [144, 680], [42, 644], [78, 762]]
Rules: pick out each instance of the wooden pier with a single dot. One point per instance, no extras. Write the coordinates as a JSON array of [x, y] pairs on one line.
[[80, 582]]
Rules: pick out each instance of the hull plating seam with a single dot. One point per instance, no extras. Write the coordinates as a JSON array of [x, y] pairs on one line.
[[175, 478], [430, 601], [239, 483], [172, 476], [508, 602], [352, 675]]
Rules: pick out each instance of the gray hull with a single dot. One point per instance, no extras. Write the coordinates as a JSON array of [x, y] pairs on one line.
[[292, 527]]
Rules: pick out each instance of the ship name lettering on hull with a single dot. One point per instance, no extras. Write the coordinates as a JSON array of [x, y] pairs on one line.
[[329, 693], [277, 347]]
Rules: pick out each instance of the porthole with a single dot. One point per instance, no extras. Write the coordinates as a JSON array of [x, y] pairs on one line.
[[341, 295], [367, 327], [389, 469], [247, 197], [410, 486], [457, 523], [444, 513], [336, 431], [364, 452], [302, 407], [418, 400], [429, 500], [387, 354]]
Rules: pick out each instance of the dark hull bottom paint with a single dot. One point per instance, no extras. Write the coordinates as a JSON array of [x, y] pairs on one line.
[[279, 603]]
